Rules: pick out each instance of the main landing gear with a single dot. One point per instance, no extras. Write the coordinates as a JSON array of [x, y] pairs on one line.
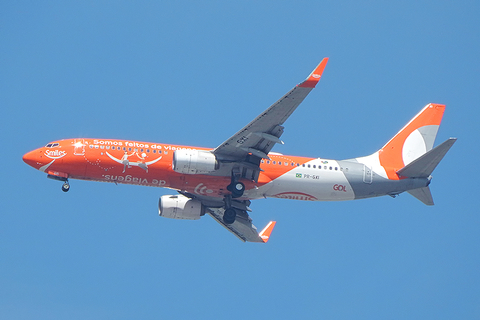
[[236, 188], [230, 214]]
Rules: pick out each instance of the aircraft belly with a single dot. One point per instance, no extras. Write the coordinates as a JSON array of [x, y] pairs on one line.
[[318, 180]]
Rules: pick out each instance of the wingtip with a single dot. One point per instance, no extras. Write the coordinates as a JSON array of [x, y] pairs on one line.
[[267, 231], [315, 76]]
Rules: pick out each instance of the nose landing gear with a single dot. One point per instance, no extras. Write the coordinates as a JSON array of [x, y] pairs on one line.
[[65, 186]]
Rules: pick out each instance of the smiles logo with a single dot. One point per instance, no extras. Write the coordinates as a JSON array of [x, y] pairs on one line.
[[55, 154]]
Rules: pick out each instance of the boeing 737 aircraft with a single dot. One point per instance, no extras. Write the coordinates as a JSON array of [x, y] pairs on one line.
[[222, 181]]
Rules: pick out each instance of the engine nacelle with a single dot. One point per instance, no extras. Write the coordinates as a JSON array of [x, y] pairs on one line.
[[180, 207], [194, 161]]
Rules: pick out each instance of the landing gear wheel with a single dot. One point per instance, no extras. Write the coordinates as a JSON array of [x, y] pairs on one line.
[[65, 187], [236, 188], [229, 216]]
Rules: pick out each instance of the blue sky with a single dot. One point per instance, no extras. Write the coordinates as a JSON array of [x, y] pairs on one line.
[[193, 73]]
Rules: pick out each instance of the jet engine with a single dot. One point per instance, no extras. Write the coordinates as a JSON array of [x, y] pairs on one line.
[[180, 207], [189, 161]]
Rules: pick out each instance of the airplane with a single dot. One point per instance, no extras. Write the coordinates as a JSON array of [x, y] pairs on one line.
[[222, 182]]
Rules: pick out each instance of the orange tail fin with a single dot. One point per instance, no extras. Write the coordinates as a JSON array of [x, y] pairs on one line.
[[414, 140]]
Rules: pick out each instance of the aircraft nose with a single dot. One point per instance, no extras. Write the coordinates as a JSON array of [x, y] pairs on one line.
[[32, 158]]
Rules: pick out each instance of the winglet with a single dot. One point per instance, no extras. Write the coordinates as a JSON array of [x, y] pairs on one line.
[[265, 234], [315, 76]]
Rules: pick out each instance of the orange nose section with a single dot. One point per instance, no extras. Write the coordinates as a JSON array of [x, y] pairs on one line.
[[33, 158]]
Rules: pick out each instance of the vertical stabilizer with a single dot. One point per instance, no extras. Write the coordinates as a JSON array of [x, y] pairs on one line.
[[414, 140]]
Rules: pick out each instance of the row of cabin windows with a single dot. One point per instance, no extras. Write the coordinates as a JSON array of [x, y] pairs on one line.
[[303, 165], [125, 149]]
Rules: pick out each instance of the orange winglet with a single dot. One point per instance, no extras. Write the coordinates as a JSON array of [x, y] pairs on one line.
[[265, 234], [315, 76]]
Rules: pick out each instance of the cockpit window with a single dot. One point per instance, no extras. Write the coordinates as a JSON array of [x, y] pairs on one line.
[[52, 145]]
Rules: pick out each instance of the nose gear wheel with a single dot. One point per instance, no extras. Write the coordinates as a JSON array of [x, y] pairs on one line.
[[66, 186]]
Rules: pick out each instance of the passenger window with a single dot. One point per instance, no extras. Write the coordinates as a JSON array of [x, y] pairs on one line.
[[303, 165], [279, 162], [330, 168], [274, 162], [336, 168], [314, 166], [268, 161], [309, 166], [90, 146]]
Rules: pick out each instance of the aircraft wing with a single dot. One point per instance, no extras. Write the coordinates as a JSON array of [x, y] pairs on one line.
[[259, 136], [243, 227]]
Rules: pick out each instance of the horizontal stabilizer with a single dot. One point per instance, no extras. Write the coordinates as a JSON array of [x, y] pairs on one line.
[[423, 166], [423, 194]]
